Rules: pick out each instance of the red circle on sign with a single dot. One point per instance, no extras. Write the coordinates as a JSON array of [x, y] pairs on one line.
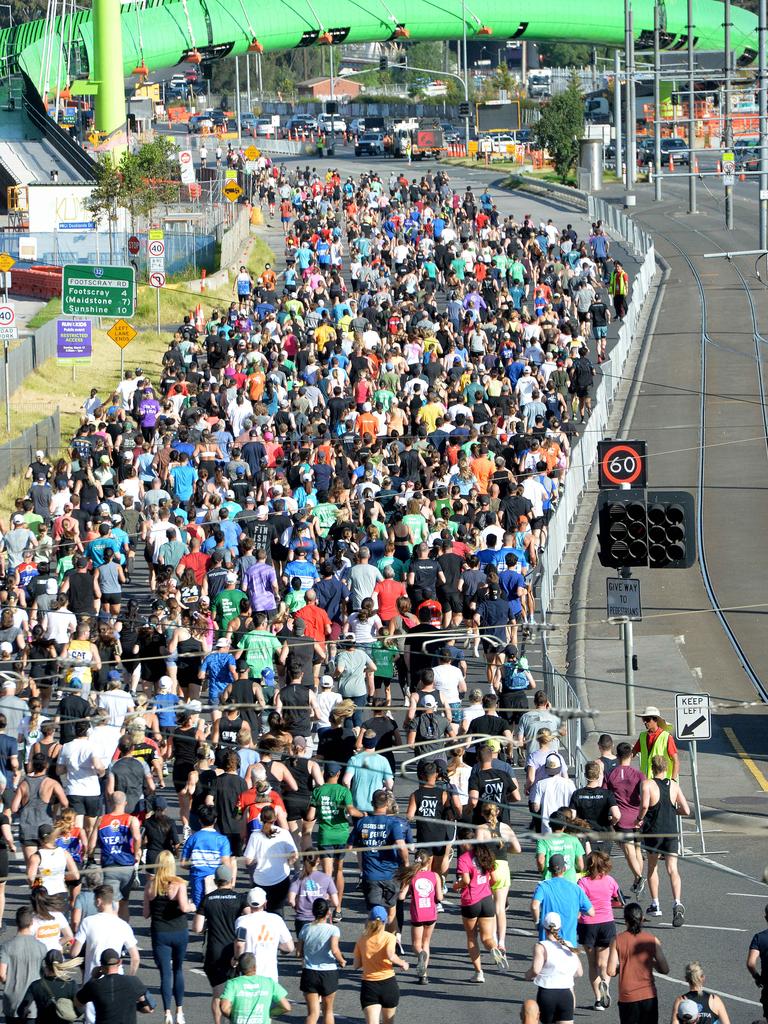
[[133, 245], [185, 156], [611, 454]]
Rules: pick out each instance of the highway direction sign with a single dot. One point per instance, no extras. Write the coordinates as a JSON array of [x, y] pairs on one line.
[[693, 716], [97, 291], [623, 599], [122, 333]]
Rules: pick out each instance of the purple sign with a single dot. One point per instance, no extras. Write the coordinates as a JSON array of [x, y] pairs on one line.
[[73, 339]]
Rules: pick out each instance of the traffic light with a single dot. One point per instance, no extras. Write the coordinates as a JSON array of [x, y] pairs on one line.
[[331, 107], [463, 110], [383, 62], [623, 529], [671, 530], [653, 529]]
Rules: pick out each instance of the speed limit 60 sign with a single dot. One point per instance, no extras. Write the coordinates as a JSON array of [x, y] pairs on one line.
[[621, 463]]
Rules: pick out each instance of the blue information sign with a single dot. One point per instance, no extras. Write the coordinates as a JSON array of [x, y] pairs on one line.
[[73, 339]]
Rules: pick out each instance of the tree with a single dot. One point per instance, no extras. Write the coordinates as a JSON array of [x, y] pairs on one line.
[[561, 126], [140, 183]]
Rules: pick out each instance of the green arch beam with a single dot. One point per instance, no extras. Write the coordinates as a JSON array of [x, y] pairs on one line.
[[161, 33]]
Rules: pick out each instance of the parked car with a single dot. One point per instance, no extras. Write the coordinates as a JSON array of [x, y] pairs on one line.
[[299, 122], [328, 122], [677, 149], [265, 129], [178, 82], [197, 122], [357, 125], [747, 154], [248, 121], [645, 152], [370, 144]]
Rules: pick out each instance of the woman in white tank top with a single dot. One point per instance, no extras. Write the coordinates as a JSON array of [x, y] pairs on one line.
[[555, 966]]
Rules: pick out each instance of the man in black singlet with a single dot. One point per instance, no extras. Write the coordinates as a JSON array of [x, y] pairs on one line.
[[661, 802]]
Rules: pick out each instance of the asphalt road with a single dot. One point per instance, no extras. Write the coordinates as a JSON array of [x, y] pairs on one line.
[[724, 906]]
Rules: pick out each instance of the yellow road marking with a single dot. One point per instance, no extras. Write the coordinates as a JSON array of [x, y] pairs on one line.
[[750, 764]]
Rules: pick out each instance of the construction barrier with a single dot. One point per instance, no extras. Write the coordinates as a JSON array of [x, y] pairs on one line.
[[40, 282]]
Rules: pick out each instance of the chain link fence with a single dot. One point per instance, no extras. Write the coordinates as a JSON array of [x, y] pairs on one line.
[[16, 454]]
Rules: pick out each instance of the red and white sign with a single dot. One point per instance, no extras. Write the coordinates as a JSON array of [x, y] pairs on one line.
[[134, 245], [187, 167], [156, 247], [7, 316], [157, 279]]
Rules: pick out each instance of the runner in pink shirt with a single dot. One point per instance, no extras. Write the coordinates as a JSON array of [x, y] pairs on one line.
[[426, 891], [596, 933], [478, 907]]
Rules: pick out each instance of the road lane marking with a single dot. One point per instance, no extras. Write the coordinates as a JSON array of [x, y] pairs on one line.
[[744, 756], [723, 867], [705, 927], [714, 991], [752, 895]]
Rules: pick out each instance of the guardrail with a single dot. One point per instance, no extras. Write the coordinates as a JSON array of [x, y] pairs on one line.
[[584, 455]]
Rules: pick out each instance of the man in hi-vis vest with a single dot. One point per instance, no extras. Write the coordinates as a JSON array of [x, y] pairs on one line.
[[657, 739]]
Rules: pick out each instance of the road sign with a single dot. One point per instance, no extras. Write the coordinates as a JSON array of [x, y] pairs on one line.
[[232, 191], [693, 716], [729, 180], [134, 245], [73, 339], [623, 599], [122, 333], [156, 235], [76, 225], [98, 291], [621, 462], [252, 153], [230, 174], [157, 279], [187, 167], [156, 247], [6, 262], [156, 264], [7, 315]]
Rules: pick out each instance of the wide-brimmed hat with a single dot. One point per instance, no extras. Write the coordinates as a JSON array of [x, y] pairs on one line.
[[652, 712]]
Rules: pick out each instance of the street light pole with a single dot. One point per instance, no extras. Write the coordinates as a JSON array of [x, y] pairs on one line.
[[333, 99], [466, 72], [617, 110], [691, 112], [726, 111], [629, 113], [237, 102], [656, 102], [762, 99]]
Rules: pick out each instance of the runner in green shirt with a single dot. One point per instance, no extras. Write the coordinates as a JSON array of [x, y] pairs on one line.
[[331, 806], [226, 605], [324, 513], [260, 646], [558, 842], [250, 998]]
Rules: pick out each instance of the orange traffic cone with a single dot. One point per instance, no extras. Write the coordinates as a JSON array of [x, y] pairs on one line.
[[199, 321], [671, 163], [719, 168], [695, 165], [742, 176]]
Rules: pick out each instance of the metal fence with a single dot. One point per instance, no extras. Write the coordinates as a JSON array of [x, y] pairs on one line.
[[31, 352], [584, 455], [16, 454], [183, 249]]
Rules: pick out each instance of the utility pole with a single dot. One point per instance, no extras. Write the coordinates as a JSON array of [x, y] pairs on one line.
[[656, 102], [248, 98], [466, 71], [333, 104], [629, 96], [726, 112], [762, 100], [691, 113], [617, 110], [237, 102]]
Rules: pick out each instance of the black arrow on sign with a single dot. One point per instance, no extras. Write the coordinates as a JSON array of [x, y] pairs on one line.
[[691, 728]]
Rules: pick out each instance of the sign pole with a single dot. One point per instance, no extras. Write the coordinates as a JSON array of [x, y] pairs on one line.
[[157, 292], [629, 675], [696, 796], [7, 388]]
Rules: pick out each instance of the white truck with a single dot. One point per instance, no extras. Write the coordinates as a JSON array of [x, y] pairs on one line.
[[539, 83]]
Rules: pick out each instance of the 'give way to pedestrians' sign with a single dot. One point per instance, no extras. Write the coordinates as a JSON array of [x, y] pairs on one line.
[[693, 716]]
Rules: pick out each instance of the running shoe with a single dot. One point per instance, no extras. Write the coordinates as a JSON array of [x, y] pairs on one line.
[[605, 994], [421, 964], [598, 1005], [479, 977], [678, 915], [500, 957], [638, 886], [653, 910], [424, 980]]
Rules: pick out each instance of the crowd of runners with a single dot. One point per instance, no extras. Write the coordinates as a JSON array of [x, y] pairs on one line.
[[262, 641]]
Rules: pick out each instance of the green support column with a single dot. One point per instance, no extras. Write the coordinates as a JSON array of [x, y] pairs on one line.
[[108, 72]]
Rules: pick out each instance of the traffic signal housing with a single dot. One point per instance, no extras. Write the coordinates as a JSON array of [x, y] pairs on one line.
[[648, 529], [623, 529], [383, 62], [671, 529]]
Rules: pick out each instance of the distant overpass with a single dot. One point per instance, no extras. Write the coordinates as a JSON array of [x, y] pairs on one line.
[[83, 50]]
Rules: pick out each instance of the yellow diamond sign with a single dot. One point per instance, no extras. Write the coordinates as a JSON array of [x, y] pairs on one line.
[[6, 262], [252, 153], [232, 191], [122, 333]]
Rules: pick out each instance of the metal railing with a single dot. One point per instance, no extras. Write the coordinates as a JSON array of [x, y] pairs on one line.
[[584, 456]]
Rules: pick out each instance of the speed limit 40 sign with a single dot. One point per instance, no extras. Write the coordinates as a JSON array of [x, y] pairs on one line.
[[621, 463]]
